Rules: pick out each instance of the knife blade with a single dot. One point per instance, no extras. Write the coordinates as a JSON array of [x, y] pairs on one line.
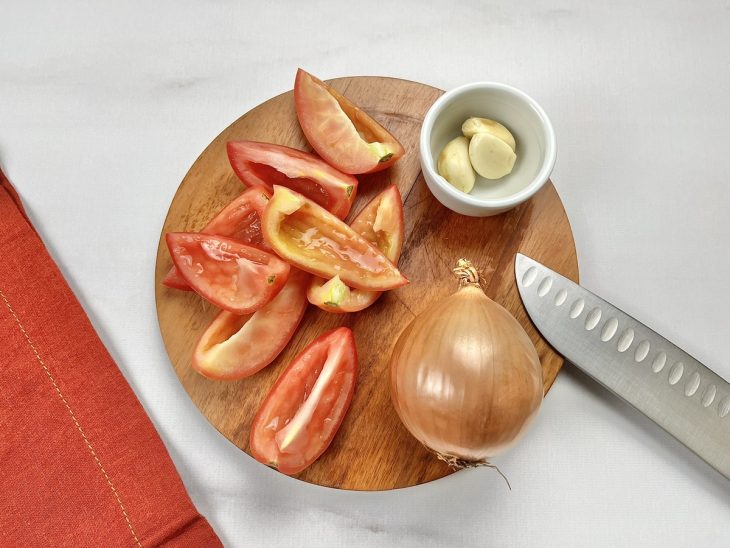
[[680, 394]]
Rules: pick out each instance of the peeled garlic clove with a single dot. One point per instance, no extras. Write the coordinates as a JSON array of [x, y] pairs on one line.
[[491, 157], [483, 125], [454, 165]]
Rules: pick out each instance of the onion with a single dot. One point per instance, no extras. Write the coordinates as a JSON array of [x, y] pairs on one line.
[[465, 378]]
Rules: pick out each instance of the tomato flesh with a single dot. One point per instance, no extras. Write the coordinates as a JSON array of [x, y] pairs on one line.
[[267, 164], [303, 411], [240, 220], [233, 276], [311, 238], [234, 346], [381, 223], [341, 133]]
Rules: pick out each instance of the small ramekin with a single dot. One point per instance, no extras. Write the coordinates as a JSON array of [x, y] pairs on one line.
[[513, 108]]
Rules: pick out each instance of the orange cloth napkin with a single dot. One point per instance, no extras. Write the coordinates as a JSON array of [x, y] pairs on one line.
[[80, 462]]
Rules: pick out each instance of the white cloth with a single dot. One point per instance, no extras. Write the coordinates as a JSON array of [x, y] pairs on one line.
[[103, 107]]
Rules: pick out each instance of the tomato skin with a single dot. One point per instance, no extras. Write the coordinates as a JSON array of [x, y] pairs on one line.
[[381, 223], [231, 275], [307, 404], [335, 128], [266, 164], [240, 220], [311, 238], [174, 280], [227, 351]]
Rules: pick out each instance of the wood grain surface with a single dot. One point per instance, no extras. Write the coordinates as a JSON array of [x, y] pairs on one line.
[[372, 450]]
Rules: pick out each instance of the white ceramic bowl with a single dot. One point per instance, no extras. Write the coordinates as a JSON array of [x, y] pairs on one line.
[[526, 120]]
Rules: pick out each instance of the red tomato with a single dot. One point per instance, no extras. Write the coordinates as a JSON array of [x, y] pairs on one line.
[[240, 220], [231, 275], [311, 238], [174, 280], [305, 408], [234, 347], [267, 165], [345, 136], [380, 223]]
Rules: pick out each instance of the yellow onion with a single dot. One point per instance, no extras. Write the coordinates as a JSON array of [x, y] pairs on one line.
[[465, 378]]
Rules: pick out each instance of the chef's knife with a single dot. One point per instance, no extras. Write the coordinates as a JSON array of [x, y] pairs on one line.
[[676, 391]]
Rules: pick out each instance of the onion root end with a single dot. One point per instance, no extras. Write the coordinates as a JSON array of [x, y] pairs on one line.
[[456, 463]]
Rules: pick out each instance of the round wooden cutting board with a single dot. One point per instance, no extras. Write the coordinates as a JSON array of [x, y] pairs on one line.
[[372, 450]]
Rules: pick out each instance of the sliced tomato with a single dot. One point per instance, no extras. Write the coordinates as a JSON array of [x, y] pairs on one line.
[[304, 409], [267, 165], [334, 295], [380, 223], [341, 133], [174, 280], [233, 276], [240, 220], [311, 238], [234, 347]]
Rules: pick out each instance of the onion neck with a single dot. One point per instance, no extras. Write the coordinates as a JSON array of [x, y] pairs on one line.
[[467, 274]]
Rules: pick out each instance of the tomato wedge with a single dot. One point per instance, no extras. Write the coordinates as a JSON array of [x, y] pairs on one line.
[[345, 136], [234, 347], [304, 409], [240, 220], [233, 276], [311, 238], [267, 164], [380, 223]]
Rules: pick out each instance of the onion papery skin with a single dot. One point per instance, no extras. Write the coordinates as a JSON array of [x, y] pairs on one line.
[[466, 380]]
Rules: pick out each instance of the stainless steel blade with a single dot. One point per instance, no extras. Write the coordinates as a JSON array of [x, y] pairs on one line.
[[676, 391]]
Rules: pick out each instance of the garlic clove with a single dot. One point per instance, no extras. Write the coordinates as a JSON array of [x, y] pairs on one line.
[[472, 126], [490, 156], [454, 165]]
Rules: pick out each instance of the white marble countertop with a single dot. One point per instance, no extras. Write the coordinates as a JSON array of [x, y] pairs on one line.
[[103, 107]]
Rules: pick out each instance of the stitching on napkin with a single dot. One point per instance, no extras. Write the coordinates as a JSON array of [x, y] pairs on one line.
[[73, 416]]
